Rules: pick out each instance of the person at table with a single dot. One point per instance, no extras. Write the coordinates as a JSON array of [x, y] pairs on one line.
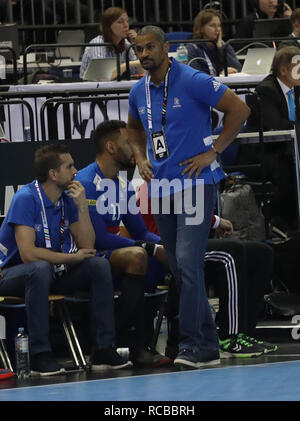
[[262, 9], [279, 96], [209, 57], [279, 93], [115, 30], [295, 21]]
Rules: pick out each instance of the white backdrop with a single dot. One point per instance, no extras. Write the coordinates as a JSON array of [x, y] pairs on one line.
[[112, 107], [16, 113]]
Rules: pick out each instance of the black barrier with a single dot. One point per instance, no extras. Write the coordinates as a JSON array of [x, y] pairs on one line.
[[34, 47], [263, 186], [100, 101], [113, 92], [9, 102]]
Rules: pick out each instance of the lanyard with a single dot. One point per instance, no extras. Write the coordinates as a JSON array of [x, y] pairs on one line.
[[164, 105], [45, 222], [212, 71]]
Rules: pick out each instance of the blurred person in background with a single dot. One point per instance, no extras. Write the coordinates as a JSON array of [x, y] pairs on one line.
[[115, 30], [209, 57], [295, 21], [262, 9]]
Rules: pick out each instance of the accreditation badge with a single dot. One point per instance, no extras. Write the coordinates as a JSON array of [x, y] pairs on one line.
[[159, 145]]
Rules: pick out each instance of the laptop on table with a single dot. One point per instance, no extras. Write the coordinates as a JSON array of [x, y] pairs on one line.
[[100, 70], [258, 61]]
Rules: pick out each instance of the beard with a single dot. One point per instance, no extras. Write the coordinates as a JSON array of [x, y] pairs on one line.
[[124, 166]]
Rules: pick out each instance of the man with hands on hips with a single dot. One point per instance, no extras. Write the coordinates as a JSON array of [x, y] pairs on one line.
[[47, 246], [169, 111]]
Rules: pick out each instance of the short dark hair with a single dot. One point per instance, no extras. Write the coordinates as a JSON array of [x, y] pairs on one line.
[[47, 158], [283, 57], [107, 130], [151, 29]]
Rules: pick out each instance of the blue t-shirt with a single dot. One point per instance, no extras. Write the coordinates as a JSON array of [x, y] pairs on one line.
[[191, 94], [110, 202], [25, 209]]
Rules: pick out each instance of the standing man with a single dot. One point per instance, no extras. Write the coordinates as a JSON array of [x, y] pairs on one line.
[[37, 257], [170, 107]]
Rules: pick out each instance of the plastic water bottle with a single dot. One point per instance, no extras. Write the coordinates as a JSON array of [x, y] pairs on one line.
[[22, 354], [2, 67], [27, 134], [213, 311], [123, 352], [182, 54]]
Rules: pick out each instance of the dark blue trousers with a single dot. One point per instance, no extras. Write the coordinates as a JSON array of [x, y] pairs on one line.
[[35, 282], [185, 242]]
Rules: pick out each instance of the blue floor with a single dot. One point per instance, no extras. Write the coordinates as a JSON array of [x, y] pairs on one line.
[[262, 382]]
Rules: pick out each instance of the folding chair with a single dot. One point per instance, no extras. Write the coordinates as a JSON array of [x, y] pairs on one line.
[[68, 328]]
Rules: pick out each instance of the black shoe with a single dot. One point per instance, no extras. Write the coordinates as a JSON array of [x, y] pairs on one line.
[[238, 347], [171, 351], [108, 358], [147, 357], [192, 358], [266, 346], [44, 364]]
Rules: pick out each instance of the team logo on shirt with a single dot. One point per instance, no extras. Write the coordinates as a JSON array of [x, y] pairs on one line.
[[142, 110], [216, 85], [176, 103], [97, 182], [38, 227]]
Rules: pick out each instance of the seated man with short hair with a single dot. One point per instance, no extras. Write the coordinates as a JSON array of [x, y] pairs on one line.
[[111, 200], [279, 107], [37, 258]]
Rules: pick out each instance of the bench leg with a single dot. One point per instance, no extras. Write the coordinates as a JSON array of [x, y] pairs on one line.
[[4, 356], [70, 334]]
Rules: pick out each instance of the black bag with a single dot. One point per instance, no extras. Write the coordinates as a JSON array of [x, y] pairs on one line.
[[282, 303], [238, 204]]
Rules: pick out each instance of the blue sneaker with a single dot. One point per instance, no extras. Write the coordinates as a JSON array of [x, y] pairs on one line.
[[196, 359]]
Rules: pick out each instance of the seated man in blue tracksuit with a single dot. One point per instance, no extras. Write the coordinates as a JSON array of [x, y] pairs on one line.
[[137, 262], [45, 220]]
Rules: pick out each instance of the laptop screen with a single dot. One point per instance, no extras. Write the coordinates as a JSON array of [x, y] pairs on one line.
[[268, 28], [100, 69], [70, 37], [258, 61], [9, 38]]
